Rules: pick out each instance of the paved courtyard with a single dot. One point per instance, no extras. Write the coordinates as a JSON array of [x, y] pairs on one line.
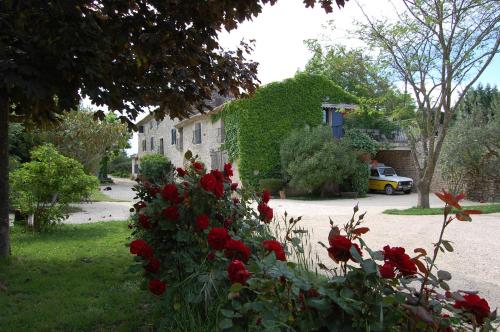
[[474, 264]]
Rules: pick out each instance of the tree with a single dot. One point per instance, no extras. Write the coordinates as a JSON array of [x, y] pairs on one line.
[[156, 55], [361, 75], [47, 184], [82, 138], [438, 48]]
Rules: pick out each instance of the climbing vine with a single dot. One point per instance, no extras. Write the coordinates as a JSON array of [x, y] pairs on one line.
[[256, 126]]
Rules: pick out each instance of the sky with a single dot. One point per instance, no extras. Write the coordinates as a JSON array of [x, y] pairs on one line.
[[280, 30]]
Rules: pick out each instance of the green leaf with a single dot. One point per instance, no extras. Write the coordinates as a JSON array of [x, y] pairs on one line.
[[447, 245], [226, 323], [236, 287], [444, 275]]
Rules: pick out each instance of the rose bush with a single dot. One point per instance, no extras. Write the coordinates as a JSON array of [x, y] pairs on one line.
[[199, 240]]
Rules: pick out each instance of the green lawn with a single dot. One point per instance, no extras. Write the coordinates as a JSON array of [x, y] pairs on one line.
[[74, 279], [99, 196], [484, 208]]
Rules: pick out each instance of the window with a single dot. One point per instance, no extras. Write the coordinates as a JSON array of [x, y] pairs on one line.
[[374, 172], [197, 133], [144, 147], [152, 141], [141, 129], [173, 136], [221, 133], [151, 125], [180, 141], [162, 150]]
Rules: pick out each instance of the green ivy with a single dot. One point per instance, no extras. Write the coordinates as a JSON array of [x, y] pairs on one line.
[[256, 126]]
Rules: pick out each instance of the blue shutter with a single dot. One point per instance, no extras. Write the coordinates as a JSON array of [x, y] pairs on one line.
[[338, 124]]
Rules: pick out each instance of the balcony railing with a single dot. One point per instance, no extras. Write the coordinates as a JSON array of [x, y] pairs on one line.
[[397, 137]]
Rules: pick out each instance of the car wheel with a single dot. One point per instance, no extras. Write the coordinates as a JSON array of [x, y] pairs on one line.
[[407, 191], [389, 190]]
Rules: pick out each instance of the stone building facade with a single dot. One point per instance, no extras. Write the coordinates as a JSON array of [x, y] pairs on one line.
[[199, 134]]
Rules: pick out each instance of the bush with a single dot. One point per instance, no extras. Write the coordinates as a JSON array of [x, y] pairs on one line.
[[46, 185], [155, 168], [360, 141], [207, 252], [272, 185], [312, 159], [120, 166], [359, 178]]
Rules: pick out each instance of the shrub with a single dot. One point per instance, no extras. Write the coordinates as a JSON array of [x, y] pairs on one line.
[[360, 141], [120, 165], [206, 251], [312, 158], [47, 184], [359, 178], [155, 168], [272, 185]]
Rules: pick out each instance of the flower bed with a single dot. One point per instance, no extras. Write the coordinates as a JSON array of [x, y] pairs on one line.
[[199, 241]]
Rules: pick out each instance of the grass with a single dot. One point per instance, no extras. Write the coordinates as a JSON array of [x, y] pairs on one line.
[[74, 279], [99, 196], [484, 208]]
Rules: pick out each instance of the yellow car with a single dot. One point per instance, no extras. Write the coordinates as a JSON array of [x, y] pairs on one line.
[[384, 178]]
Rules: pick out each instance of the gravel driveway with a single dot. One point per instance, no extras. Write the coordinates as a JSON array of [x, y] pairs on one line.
[[474, 264]]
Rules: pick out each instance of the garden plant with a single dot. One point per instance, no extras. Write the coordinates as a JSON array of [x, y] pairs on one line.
[[201, 246]]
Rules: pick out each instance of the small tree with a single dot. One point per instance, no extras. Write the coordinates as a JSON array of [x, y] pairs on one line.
[[155, 168], [46, 185], [438, 48]]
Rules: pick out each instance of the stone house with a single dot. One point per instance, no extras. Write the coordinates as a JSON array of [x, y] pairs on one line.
[[200, 134]]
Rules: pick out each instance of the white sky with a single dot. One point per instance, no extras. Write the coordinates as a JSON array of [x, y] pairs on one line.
[[280, 30]]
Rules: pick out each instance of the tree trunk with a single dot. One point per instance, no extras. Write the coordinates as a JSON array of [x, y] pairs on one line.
[[4, 175], [423, 188]]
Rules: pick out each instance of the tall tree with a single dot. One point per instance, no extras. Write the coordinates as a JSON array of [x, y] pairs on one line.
[[131, 55], [440, 48], [361, 74]]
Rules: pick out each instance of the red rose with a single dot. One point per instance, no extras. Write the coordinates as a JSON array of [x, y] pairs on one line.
[[170, 193], [139, 205], [266, 213], [157, 286], [400, 260], [234, 186], [141, 248], [181, 172], [144, 221], [153, 265], [210, 184], [202, 222], [236, 249], [211, 256], [217, 238], [387, 270], [476, 305], [236, 201], [340, 249], [266, 196], [227, 223], [171, 213], [228, 170], [218, 175], [237, 272], [276, 247], [198, 166]]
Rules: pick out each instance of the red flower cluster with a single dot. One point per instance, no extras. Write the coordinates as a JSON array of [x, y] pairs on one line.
[[237, 272], [228, 170], [141, 248], [198, 166], [276, 247], [153, 265], [217, 238], [170, 193], [395, 258], [181, 172], [340, 247], [266, 213], [476, 305], [202, 222], [234, 186], [144, 221], [157, 286], [171, 213], [266, 196], [211, 182], [236, 249]]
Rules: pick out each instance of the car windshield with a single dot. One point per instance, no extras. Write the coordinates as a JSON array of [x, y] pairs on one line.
[[387, 171]]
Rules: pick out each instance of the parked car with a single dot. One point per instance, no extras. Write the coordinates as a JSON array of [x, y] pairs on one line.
[[384, 178]]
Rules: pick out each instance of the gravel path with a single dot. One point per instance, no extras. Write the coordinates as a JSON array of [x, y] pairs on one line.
[[474, 264]]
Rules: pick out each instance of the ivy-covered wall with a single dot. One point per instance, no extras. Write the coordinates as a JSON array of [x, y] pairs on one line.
[[256, 126]]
